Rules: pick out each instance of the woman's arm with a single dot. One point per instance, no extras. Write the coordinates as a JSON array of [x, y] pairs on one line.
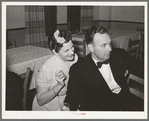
[[45, 93]]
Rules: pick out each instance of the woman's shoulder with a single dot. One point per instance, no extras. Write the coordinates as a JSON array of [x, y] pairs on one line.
[[50, 61]]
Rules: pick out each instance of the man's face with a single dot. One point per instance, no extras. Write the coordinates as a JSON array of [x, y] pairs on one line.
[[101, 47], [66, 53]]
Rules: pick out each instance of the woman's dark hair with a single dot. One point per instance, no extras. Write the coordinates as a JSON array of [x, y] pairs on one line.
[[92, 31], [52, 42]]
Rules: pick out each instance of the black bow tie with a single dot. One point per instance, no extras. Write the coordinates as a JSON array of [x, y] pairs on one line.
[[99, 64]]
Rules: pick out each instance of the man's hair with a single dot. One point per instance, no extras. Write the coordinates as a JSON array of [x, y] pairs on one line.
[[89, 36]]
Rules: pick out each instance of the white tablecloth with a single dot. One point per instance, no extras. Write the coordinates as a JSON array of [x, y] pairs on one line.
[[119, 38], [19, 59]]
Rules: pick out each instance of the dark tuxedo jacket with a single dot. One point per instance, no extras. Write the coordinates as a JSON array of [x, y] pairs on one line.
[[87, 87]]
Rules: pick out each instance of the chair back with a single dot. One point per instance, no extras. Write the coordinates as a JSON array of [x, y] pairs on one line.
[[11, 44], [136, 85], [134, 47], [141, 52], [36, 73], [141, 49], [80, 48], [26, 85], [140, 29]]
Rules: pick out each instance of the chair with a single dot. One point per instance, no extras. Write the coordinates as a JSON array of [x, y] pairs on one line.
[[84, 31], [17, 90], [140, 29], [26, 85], [141, 54], [136, 88], [11, 44], [141, 50], [36, 73], [136, 85], [80, 48], [32, 92], [135, 48]]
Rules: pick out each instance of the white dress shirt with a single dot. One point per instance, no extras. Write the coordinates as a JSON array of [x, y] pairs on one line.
[[106, 72]]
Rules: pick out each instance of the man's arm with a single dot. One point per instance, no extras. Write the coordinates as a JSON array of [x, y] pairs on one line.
[[74, 88], [134, 66]]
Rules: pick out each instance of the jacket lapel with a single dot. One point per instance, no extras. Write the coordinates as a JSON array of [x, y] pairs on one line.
[[116, 69], [98, 78]]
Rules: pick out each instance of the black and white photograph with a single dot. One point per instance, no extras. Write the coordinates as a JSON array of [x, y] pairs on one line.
[[74, 60]]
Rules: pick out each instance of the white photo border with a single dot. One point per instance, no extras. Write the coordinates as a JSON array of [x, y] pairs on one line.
[[72, 114]]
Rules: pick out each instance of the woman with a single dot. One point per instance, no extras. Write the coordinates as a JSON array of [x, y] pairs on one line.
[[53, 76]]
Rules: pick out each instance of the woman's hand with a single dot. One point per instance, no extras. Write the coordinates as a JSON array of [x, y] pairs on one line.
[[60, 77], [46, 94]]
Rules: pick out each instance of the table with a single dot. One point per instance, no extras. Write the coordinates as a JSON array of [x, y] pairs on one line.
[[19, 59], [119, 38]]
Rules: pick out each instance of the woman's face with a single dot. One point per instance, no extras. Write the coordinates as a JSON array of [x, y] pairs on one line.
[[66, 53]]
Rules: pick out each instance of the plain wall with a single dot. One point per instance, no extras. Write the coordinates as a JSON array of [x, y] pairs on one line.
[[16, 15], [128, 13], [111, 17], [61, 14], [105, 13]]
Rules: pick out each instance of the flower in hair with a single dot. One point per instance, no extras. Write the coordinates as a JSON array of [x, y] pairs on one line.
[[60, 40]]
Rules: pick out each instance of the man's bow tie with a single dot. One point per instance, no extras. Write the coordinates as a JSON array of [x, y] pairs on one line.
[[99, 64]]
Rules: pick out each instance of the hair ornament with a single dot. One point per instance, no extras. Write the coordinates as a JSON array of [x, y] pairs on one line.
[[60, 40]]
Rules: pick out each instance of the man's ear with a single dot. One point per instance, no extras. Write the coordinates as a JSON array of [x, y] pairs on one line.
[[55, 53], [90, 47]]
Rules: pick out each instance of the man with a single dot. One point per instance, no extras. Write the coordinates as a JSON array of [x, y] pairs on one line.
[[96, 87]]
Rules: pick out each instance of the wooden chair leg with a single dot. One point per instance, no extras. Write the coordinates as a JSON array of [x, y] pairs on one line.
[[26, 87]]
